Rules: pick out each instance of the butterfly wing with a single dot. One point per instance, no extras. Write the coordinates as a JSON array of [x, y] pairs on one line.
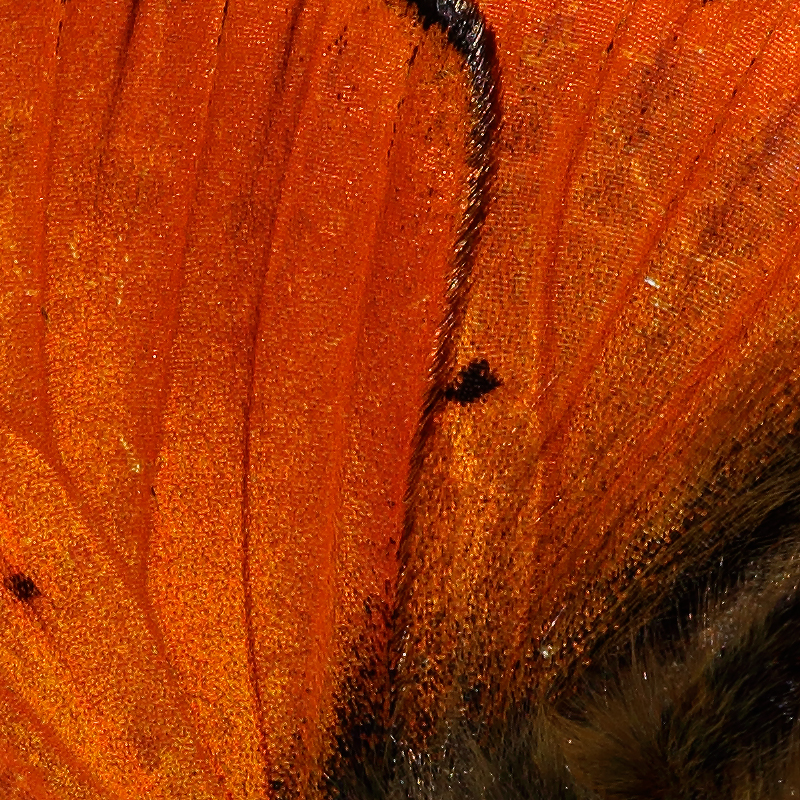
[[228, 240], [634, 291], [215, 355]]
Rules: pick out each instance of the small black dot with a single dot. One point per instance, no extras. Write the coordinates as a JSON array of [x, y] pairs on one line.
[[473, 382], [21, 586]]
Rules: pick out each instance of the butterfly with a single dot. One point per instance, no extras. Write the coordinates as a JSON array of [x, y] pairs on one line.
[[399, 399]]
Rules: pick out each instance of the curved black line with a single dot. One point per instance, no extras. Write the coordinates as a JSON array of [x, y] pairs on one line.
[[366, 749], [467, 32]]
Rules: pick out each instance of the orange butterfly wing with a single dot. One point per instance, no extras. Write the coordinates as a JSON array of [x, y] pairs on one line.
[[635, 292], [223, 300], [226, 241]]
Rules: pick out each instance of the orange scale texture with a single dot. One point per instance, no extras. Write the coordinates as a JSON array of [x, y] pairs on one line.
[[224, 259], [635, 290], [226, 236]]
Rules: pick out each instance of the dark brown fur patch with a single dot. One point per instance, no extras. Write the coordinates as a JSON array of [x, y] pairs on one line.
[[692, 689]]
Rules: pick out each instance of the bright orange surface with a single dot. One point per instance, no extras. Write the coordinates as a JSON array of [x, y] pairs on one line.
[[224, 250], [636, 291], [225, 235]]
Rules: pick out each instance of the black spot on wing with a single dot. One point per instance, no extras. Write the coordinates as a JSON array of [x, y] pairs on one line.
[[468, 34], [473, 382], [21, 586]]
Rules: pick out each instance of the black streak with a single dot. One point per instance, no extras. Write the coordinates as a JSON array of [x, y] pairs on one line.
[[22, 587], [466, 31], [222, 23], [366, 748], [291, 33], [473, 382]]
